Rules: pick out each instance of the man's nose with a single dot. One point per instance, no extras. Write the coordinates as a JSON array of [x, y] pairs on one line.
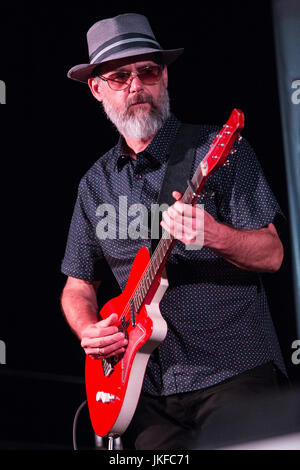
[[135, 84]]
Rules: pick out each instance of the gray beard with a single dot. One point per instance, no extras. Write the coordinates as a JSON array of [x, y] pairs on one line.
[[137, 124]]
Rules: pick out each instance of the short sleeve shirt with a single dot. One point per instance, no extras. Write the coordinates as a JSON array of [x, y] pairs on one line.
[[219, 324]]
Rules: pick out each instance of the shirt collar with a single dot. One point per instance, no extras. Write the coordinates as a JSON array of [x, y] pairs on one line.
[[157, 151]]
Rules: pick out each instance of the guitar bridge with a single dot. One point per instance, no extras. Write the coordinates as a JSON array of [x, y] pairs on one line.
[[107, 366], [123, 326]]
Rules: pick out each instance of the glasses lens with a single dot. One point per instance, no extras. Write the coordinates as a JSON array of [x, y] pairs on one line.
[[150, 75], [119, 80]]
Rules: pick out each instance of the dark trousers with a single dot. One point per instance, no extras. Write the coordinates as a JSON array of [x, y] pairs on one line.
[[207, 418]]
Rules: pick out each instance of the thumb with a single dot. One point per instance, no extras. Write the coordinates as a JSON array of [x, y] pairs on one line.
[[177, 195], [109, 321]]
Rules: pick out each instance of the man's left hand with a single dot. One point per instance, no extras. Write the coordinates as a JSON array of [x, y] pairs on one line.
[[192, 225]]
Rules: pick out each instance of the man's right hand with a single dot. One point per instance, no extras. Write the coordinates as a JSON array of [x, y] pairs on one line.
[[101, 340]]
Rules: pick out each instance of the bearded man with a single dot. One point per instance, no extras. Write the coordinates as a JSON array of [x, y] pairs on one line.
[[221, 344]]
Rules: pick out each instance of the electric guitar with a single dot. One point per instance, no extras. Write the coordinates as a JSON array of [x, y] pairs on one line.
[[113, 385]]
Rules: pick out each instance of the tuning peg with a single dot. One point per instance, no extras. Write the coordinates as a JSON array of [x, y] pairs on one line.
[[226, 163], [232, 151], [240, 138]]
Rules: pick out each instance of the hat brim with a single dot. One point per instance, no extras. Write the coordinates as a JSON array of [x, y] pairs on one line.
[[83, 72]]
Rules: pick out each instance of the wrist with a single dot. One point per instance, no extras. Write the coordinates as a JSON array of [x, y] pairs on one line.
[[215, 234]]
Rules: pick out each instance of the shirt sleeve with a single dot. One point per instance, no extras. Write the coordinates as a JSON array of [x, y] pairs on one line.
[[83, 258], [247, 200]]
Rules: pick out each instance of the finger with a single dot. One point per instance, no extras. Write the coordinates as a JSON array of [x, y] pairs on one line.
[[174, 223], [167, 217], [102, 341], [111, 349], [187, 232], [168, 222], [108, 350], [186, 210], [166, 227], [116, 353], [98, 331], [176, 229]]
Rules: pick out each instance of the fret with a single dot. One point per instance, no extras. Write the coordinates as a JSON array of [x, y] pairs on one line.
[[145, 283], [135, 303], [141, 287], [151, 276], [139, 294], [140, 298], [155, 262]]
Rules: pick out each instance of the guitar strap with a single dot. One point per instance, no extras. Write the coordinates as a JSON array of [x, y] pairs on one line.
[[178, 171]]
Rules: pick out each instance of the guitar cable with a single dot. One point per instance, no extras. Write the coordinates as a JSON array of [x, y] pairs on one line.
[[75, 423], [112, 443]]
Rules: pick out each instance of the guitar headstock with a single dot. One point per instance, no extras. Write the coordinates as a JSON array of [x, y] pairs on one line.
[[223, 143]]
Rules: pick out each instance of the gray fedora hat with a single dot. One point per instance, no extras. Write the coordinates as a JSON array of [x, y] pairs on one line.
[[126, 35]]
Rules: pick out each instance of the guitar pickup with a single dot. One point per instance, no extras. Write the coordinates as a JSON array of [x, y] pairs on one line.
[[123, 326], [132, 313]]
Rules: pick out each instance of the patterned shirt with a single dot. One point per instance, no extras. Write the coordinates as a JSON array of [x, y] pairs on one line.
[[219, 324]]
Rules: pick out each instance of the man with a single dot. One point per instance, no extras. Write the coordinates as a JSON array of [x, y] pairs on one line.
[[221, 344]]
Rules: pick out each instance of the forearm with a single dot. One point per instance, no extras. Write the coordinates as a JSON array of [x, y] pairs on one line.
[[80, 309], [253, 250]]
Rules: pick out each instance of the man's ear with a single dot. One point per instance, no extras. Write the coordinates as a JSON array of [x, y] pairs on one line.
[[95, 88]]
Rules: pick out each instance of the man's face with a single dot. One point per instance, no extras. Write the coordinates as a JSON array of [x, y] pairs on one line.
[[140, 109]]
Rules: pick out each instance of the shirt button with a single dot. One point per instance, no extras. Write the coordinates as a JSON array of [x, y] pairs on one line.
[[138, 176]]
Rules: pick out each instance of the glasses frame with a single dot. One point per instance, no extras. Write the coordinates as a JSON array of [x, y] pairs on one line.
[[131, 77]]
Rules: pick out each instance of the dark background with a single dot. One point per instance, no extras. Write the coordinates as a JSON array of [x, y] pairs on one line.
[[52, 130]]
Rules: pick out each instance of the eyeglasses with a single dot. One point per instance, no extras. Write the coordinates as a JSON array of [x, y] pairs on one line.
[[122, 79]]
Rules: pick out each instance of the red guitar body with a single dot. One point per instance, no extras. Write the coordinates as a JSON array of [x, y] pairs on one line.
[[112, 399]]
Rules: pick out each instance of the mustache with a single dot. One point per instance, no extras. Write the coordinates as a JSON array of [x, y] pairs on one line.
[[140, 99]]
